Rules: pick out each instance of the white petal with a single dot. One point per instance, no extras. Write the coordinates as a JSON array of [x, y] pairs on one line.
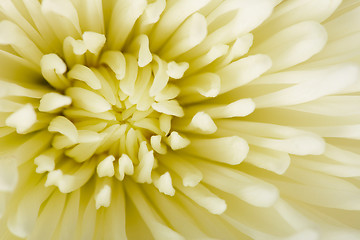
[[8, 173], [69, 183], [203, 123], [180, 219], [243, 71], [70, 216], [152, 12], [12, 34], [124, 15], [114, 219], [161, 77], [143, 171], [53, 101], [63, 18], [169, 92], [241, 17], [230, 150], [275, 161], [251, 190], [157, 145], [127, 85], [53, 69], [203, 197], [206, 84], [165, 123], [106, 167], [321, 82], [116, 61], [83, 151], [23, 119], [320, 189], [22, 221], [64, 126], [12, 89], [239, 108], [176, 70], [239, 48], [327, 167], [176, 141], [125, 167], [38, 142], [50, 216], [291, 12], [76, 112], [331, 106], [200, 123], [46, 160], [85, 74], [140, 47], [187, 36], [171, 107], [91, 17], [341, 131], [168, 24], [93, 41], [164, 184], [103, 197], [335, 27], [88, 100], [294, 44], [341, 155], [13, 13], [215, 53], [87, 228], [299, 145], [157, 226], [191, 176]]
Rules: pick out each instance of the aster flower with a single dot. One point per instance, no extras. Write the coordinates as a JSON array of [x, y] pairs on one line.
[[180, 119]]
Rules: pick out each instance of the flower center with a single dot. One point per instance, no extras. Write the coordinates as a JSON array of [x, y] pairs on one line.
[[111, 112]]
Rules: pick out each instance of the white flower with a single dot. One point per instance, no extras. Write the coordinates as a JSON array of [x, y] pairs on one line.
[[180, 119]]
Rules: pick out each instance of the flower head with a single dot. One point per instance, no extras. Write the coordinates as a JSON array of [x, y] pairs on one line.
[[179, 119]]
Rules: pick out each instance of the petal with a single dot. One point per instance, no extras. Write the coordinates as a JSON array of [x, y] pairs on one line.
[[317, 83], [8, 173], [293, 45]]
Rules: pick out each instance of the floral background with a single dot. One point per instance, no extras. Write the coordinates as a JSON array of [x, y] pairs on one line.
[[180, 119]]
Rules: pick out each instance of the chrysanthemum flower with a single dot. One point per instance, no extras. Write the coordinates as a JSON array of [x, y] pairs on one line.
[[180, 119]]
